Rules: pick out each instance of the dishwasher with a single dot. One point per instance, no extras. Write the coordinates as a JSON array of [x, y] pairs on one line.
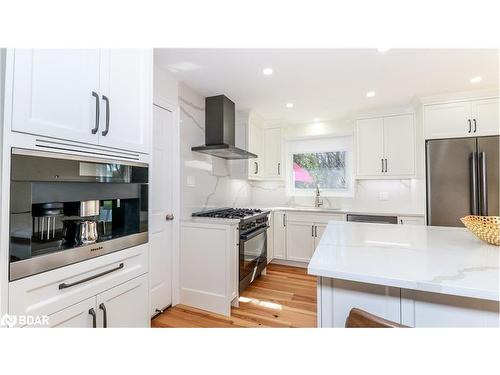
[[372, 219]]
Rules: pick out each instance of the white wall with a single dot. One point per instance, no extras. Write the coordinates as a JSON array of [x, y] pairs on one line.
[[206, 181]]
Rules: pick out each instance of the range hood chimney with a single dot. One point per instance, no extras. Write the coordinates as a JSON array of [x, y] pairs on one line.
[[220, 130]]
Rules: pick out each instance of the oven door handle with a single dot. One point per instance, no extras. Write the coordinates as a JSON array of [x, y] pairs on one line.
[[249, 236]]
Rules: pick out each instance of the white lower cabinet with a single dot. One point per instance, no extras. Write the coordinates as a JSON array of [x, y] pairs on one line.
[[124, 306], [300, 241], [279, 235], [79, 315], [119, 281], [338, 297], [427, 310], [297, 234], [411, 308]]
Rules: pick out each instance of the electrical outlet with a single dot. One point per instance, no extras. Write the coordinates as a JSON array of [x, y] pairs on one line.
[[191, 181], [383, 196]]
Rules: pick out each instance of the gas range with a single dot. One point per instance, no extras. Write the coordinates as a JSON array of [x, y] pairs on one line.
[[243, 214]]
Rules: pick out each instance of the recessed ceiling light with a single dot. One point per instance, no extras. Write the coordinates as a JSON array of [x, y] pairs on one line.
[[267, 71], [289, 105], [370, 94], [476, 79], [383, 49], [316, 119]]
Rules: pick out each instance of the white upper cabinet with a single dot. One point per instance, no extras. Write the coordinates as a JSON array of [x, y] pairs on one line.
[[126, 76], [56, 93], [265, 142], [385, 147], [370, 146], [100, 97], [272, 153], [399, 145], [462, 119], [255, 146]]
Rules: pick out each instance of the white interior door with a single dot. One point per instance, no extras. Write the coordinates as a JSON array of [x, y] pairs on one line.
[[161, 207], [370, 146], [53, 93], [399, 145]]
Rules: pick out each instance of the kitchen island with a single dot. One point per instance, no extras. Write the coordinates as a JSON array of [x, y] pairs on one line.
[[415, 275]]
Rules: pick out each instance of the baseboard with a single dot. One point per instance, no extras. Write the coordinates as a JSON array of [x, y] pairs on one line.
[[291, 263]]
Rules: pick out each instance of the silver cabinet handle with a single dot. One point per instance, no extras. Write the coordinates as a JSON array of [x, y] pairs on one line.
[[96, 128], [169, 217], [256, 170], [385, 165], [382, 160], [284, 220], [106, 131], [279, 169]]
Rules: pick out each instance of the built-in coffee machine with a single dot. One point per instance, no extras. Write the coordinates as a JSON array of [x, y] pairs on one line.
[[65, 209]]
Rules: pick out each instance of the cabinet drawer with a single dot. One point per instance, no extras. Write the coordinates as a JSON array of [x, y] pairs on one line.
[[314, 217], [41, 294]]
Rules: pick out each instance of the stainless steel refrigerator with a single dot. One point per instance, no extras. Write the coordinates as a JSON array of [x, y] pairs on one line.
[[462, 179]]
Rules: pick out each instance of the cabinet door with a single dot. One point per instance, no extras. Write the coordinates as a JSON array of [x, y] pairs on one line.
[[272, 153], [279, 235], [52, 93], [255, 145], [125, 305], [127, 81], [399, 145], [447, 120], [300, 241], [79, 315], [370, 146], [318, 233], [485, 113]]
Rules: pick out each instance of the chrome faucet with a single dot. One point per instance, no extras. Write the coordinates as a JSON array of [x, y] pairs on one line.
[[317, 198]]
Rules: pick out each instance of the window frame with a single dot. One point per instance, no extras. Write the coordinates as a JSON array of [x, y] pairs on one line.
[[349, 150]]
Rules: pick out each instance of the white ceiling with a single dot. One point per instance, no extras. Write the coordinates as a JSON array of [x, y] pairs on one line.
[[328, 83]]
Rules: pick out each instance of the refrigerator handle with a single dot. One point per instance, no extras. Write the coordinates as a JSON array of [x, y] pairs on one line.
[[483, 184], [474, 206]]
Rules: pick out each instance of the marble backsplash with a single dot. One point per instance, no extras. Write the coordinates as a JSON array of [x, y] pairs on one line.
[[206, 181]]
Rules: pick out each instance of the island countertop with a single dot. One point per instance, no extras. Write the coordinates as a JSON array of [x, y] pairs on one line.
[[432, 259]]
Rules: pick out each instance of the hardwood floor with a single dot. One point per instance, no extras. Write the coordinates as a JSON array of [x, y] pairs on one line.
[[285, 297]]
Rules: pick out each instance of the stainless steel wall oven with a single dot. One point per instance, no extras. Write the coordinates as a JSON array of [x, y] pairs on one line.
[[65, 209]]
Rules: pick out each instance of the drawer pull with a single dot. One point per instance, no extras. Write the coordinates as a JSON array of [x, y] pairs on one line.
[[64, 285]]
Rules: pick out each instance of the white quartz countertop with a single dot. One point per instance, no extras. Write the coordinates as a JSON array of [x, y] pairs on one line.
[[339, 211], [432, 259]]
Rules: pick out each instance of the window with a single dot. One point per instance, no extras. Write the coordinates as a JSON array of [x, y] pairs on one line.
[[322, 162], [323, 169]]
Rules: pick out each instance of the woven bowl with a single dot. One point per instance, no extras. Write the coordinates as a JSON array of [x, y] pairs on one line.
[[487, 228]]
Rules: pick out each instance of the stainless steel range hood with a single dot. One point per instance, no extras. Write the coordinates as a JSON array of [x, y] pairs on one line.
[[220, 130]]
